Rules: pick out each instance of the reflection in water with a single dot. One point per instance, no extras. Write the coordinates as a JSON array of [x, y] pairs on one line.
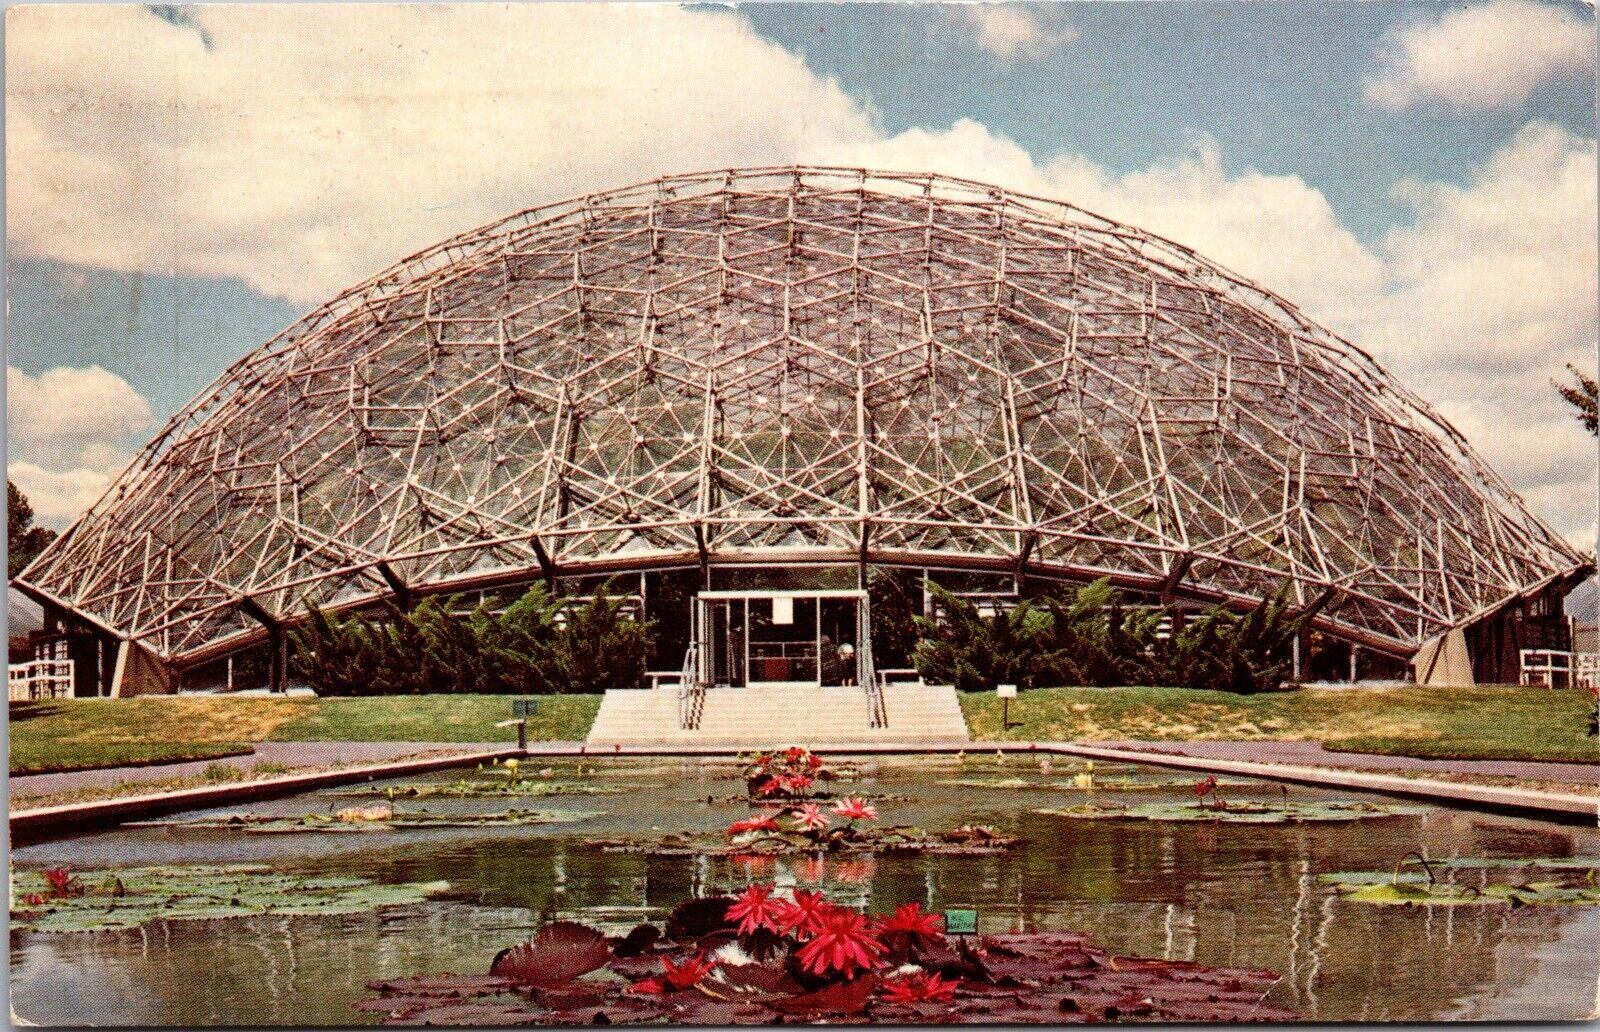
[[1233, 895]]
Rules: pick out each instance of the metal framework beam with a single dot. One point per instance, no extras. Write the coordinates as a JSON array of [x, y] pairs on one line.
[[754, 365]]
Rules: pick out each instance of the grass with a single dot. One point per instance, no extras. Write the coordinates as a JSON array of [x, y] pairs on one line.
[[438, 718], [44, 757], [1488, 722], [79, 734], [214, 774]]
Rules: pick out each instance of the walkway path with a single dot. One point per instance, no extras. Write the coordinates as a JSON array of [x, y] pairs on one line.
[[1313, 754], [295, 756]]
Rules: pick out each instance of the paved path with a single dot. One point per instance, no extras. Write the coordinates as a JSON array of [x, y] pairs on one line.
[[1313, 754], [293, 755]]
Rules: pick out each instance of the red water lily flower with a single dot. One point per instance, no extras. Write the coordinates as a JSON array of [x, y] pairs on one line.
[[60, 879], [803, 917], [855, 809], [920, 988], [910, 919], [795, 783], [814, 761], [842, 943], [648, 986], [752, 824], [794, 755], [688, 973], [768, 787], [756, 909], [1204, 786], [810, 817]]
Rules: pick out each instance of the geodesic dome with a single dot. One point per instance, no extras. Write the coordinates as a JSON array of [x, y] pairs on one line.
[[801, 364]]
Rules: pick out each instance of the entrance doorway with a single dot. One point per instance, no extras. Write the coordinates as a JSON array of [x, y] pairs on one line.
[[793, 638]]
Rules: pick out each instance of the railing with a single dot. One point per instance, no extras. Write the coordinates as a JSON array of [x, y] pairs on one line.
[[691, 692], [1556, 669], [40, 679], [877, 712], [1586, 672]]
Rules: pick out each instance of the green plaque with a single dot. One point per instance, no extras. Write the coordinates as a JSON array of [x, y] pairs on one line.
[[524, 707], [961, 922]]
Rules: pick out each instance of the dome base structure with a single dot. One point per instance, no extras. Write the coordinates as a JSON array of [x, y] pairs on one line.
[[808, 368]]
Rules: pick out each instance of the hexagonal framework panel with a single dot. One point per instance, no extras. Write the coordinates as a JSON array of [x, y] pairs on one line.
[[801, 364]]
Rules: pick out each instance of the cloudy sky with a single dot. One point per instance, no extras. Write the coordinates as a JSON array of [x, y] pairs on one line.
[[182, 181]]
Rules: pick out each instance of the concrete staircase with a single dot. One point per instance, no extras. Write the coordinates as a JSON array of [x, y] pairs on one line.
[[776, 716]]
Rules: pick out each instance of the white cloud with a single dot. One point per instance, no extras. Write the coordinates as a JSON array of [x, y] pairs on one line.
[[1480, 58], [58, 498], [1275, 229], [1491, 294], [68, 431], [286, 158], [1009, 31]]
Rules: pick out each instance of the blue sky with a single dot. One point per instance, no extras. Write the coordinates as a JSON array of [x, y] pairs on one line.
[[1278, 86], [1366, 159]]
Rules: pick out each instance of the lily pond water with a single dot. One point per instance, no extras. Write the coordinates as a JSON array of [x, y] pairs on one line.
[[1234, 893]]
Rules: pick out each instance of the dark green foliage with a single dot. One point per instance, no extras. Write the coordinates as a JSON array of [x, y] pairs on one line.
[[975, 652], [1088, 637], [1226, 651], [537, 645], [896, 599], [24, 541], [1584, 395], [598, 648]]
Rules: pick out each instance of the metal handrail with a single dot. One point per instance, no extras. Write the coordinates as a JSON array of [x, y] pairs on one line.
[[691, 692], [877, 711], [39, 679]]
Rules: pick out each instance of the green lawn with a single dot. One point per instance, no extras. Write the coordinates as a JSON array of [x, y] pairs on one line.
[[1489, 722], [438, 718], [81, 733]]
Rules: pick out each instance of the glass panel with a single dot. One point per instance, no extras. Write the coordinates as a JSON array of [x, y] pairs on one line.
[[783, 652], [783, 578], [839, 642], [727, 642]]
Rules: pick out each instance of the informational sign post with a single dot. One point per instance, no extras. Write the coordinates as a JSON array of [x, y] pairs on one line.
[[1007, 692]]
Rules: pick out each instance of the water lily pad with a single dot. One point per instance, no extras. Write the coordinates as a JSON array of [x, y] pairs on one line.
[[112, 899], [1572, 885], [964, 841], [1099, 783], [1569, 863], [1239, 812], [1042, 978], [481, 789], [406, 820]]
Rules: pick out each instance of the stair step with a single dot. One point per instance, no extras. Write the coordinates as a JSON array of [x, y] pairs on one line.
[[764, 716]]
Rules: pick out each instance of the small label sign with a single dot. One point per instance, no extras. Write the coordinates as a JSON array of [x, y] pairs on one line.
[[961, 922], [1006, 691]]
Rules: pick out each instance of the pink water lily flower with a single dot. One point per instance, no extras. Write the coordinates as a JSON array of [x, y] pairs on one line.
[[810, 817], [855, 809]]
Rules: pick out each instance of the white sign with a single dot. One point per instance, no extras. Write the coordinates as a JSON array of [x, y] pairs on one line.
[[783, 610], [1006, 691]]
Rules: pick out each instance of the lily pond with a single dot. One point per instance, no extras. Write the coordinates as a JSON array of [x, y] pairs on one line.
[[308, 910]]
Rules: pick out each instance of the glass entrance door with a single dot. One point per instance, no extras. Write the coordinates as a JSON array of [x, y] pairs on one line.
[[783, 640], [775, 637]]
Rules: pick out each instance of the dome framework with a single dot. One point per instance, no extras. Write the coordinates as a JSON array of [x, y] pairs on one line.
[[810, 365]]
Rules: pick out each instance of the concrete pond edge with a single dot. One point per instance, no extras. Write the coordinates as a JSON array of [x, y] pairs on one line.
[[71, 818]]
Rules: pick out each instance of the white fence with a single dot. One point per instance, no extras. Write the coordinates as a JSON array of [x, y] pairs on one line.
[[41, 679], [1555, 669]]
